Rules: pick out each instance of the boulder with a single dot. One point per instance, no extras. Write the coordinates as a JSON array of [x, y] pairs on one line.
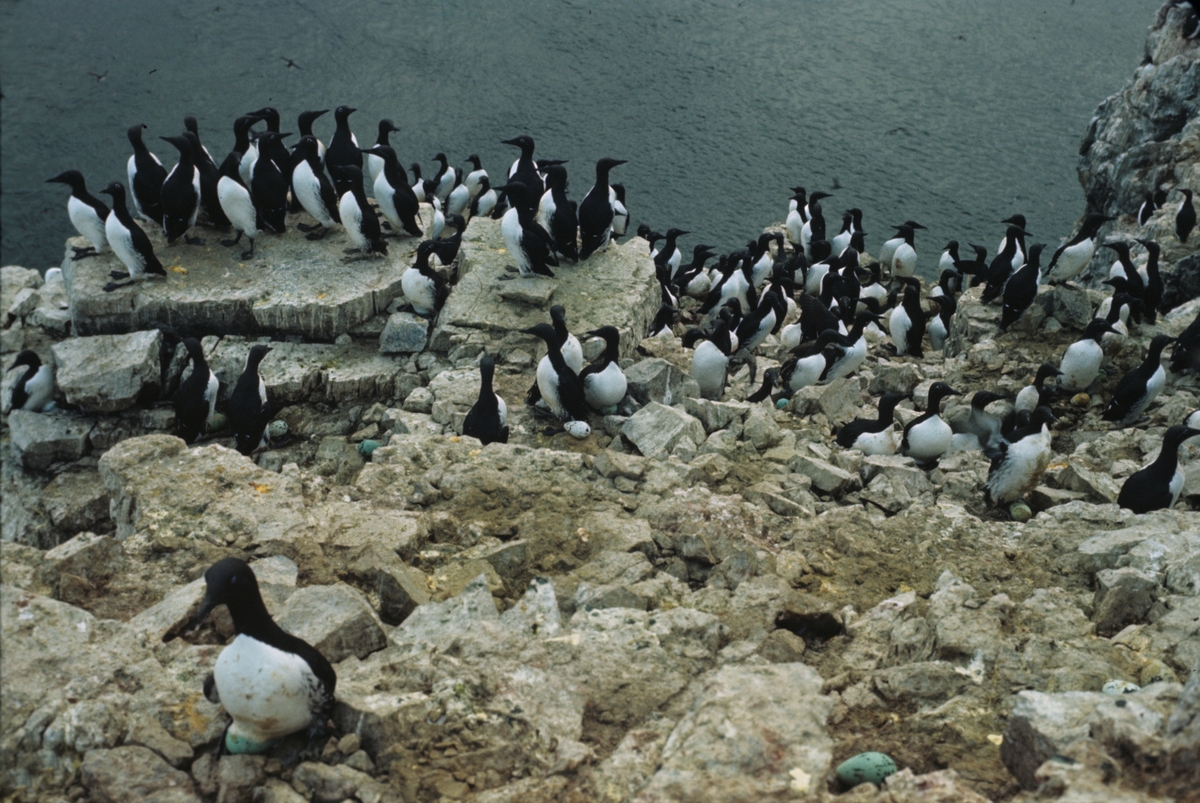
[[133, 774], [1123, 597], [657, 380], [825, 476], [109, 373], [334, 619], [44, 439], [405, 332], [1041, 725], [656, 429]]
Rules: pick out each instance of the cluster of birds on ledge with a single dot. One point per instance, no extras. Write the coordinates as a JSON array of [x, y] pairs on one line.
[[806, 285]]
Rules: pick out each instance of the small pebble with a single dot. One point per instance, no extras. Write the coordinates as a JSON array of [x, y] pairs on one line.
[[1081, 400], [1118, 687]]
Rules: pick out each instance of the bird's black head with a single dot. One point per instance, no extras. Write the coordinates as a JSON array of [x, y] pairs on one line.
[[951, 246], [983, 398], [676, 233], [342, 113], [181, 143], [1150, 246], [610, 334], [386, 127], [27, 357], [270, 114], [1097, 328], [556, 177], [939, 391], [606, 164], [543, 330], [441, 157], [230, 582], [1045, 371], [818, 195], [524, 142], [305, 120], [1043, 415], [518, 193], [474, 160], [1015, 220], [116, 190], [72, 178], [135, 134], [1187, 194], [190, 124], [257, 352], [385, 152], [912, 224]]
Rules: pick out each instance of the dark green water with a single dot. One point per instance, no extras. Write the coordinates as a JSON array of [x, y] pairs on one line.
[[954, 114]]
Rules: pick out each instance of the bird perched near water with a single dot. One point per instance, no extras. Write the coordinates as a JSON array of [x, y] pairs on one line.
[[269, 186], [620, 222], [483, 204], [670, 255], [274, 150], [888, 250], [596, 210], [1157, 485], [374, 162], [237, 205], [874, 436], [196, 400], [473, 181], [1122, 268], [247, 412], [1020, 460], [556, 214], [1022, 288], [395, 196], [270, 682], [904, 258], [146, 176], [1137, 389], [811, 361], [343, 148], [908, 320], [1152, 294], [34, 391], [1151, 203], [1074, 255], [424, 287], [87, 214], [1019, 222], [559, 385], [128, 242], [851, 224], [446, 248], [1081, 361], [530, 245], [181, 194], [949, 258], [487, 419], [928, 437], [304, 125], [710, 362], [244, 151], [1007, 260], [313, 189], [939, 325], [1185, 218], [524, 170], [358, 217], [604, 383]]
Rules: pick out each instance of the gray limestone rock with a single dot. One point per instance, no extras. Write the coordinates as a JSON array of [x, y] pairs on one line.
[[825, 476], [405, 332], [76, 501], [1123, 597], [44, 439], [108, 373], [656, 380], [1041, 725], [133, 774], [334, 619], [656, 429]]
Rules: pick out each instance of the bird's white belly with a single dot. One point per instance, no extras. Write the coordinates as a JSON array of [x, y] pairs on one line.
[[605, 388], [929, 439], [876, 443], [268, 692]]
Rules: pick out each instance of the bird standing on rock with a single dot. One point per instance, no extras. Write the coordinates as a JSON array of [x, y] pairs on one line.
[[269, 186], [1157, 485], [596, 210], [271, 683], [1021, 289], [1074, 255], [128, 241], [1185, 218], [237, 205], [1021, 460], [395, 196], [34, 391], [358, 216], [488, 417], [604, 383], [248, 412], [1081, 361], [313, 189], [874, 436], [531, 246], [343, 147], [87, 214], [196, 400], [181, 195], [1138, 388], [146, 177], [559, 384], [928, 437]]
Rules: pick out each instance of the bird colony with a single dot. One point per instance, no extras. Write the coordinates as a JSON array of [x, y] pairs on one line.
[[810, 350]]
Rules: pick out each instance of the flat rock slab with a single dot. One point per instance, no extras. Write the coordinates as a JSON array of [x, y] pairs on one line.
[[44, 439], [614, 287], [298, 372], [109, 373], [291, 286]]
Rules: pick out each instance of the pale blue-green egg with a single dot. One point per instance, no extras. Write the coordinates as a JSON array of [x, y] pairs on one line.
[[366, 447], [237, 744], [781, 404], [865, 768], [277, 429]]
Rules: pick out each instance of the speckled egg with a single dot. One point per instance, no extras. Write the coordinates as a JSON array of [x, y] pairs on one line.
[[277, 429], [781, 404], [577, 429], [865, 768], [1118, 687]]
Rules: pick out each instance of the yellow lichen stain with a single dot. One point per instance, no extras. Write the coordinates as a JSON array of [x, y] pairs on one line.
[[260, 487], [475, 452], [179, 269], [501, 250], [185, 714], [320, 296], [995, 738], [455, 439]]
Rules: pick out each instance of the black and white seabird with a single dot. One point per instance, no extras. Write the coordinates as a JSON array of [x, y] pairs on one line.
[[604, 383], [981, 425], [531, 246], [1022, 288], [874, 436], [556, 214], [146, 176], [210, 177], [811, 361], [596, 210], [1157, 486], [247, 411], [358, 216], [1122, 268], [274, 150], [710, 362], [759, 323], [949, 258], [269, 186], [908, 320], [670, 255], [446, 248], [1185, 218], [928, 437], [395, 196], [1037, 394], [939, 325], [304, 124], [1074, 255], [423, 287], [343, 147], [524, 169], [488, 417], [374, 161], [1020, 460], [474, 179], [1138, 388], [445, 179], [237, 204], [1008, 259], [1152, 295], [128, 242], [270, 682], [34, 391], [1081, 361], [483, 204], [181, 194], [770, 382], [855, 355], [1186, 354], [87, 214], [887, 251], [559, 385], [313, 189], [244, 151], [196, 400], [620, 222]]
